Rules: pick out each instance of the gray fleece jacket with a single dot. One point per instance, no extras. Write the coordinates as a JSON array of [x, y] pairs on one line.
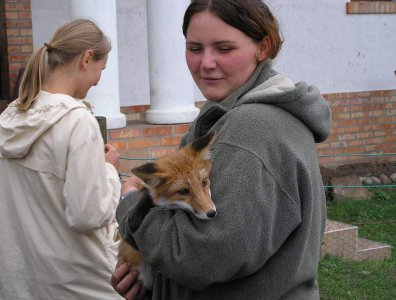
[[265, 241]]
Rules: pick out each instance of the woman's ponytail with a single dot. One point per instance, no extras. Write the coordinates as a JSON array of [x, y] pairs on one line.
[[68, 42], [32, 79]]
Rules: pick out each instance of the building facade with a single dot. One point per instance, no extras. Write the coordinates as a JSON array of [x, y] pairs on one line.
[[345, 48]]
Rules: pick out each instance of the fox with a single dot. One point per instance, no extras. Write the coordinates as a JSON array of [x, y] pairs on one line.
[[178, 181]]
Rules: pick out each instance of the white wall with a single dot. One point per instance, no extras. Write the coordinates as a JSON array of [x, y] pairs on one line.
[[323, 45], [335, 51]]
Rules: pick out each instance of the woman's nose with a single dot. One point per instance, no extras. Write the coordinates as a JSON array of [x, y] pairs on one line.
[[208, 60]]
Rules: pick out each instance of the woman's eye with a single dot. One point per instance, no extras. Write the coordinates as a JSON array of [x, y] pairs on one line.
[[183, 192], [225, 49], [194, 49]]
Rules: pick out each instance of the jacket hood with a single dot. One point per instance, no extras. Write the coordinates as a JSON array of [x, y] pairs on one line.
[[269, 87], [19, 130]]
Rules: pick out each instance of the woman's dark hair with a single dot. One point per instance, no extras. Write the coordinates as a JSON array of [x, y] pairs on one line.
[[252, 17]]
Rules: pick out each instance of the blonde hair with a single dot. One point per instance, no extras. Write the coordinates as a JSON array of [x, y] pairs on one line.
[[69, 41]]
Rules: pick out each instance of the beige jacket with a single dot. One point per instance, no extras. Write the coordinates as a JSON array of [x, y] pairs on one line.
[[57, 203]]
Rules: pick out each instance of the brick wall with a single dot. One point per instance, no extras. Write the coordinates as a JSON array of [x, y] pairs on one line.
[[16, 41], [363, 123], [140, 140], [371, 7]]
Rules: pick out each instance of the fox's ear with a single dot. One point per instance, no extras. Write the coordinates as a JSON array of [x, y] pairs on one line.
[[203, 142], [147, 173]]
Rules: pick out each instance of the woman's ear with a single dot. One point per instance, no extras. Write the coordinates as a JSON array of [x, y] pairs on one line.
[[264, 49], [86, 58]]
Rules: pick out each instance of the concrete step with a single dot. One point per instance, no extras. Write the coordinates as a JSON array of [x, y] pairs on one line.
[[341, 240], [370, 250]]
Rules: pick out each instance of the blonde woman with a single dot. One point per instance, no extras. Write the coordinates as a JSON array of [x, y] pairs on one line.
[[59, 182]]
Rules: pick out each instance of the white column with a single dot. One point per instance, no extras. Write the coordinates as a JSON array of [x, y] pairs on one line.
[[105, 97], [171, 86]]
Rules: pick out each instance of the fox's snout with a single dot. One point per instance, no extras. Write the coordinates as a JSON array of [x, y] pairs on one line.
[[207, 215], [205, 211]]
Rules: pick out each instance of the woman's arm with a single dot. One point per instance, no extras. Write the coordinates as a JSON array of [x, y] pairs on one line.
[[255, 216], [92, 186]]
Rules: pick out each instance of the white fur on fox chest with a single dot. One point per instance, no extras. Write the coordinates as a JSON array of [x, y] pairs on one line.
[[146, 275]]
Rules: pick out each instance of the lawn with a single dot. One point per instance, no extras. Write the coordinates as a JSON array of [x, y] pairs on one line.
[[372, 280]]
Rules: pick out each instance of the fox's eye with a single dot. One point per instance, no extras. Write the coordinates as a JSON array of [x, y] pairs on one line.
[[183, 192], [205, 182]]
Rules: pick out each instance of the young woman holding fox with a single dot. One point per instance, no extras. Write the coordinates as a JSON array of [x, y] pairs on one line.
[[266, 184], [59, 181]]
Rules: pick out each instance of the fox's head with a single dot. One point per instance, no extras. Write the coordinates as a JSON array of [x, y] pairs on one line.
[[181, 180]]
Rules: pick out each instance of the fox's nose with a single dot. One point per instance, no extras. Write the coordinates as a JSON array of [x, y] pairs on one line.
[[211, 214]]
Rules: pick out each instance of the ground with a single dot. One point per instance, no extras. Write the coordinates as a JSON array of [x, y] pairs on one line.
[[359, 169]]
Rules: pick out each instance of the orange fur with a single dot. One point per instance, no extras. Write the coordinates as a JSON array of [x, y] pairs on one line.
[[180, 180]]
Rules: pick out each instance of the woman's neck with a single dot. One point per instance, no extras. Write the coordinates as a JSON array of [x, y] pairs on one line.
[[60, 81]]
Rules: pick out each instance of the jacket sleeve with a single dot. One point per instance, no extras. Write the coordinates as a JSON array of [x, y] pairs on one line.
[[92, 186], [255, 216]]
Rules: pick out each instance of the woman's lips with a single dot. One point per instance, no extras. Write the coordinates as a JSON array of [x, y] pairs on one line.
[[210, 80]]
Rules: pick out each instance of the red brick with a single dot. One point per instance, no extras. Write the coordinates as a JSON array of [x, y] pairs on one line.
[[19, 23], [377, 99], [120, 145], [340, 109], [24, 15], [170, 141], [26, 32], [12, 32], [390, 139], [364, 135], [376, 113], [343, 137], [322, 146], [382, 133], [375, 141], [142, 143], [11, 15], [14, 49], [19, 40], [358, 115], [134, 109], [157, 130], [17, 6], [342, 116], [357, 142], [339, 144], [27, 49], [125, 133], [161, 152], [14, 67], [18, 58], [370, 7], [391, 112], [386, 148], [182, 128]]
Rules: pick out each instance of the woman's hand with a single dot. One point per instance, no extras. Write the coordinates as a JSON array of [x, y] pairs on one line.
[[126, 284], [133, 183], [111, 155]]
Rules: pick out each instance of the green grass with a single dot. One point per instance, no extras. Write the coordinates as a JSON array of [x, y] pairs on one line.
[[372, 280]]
